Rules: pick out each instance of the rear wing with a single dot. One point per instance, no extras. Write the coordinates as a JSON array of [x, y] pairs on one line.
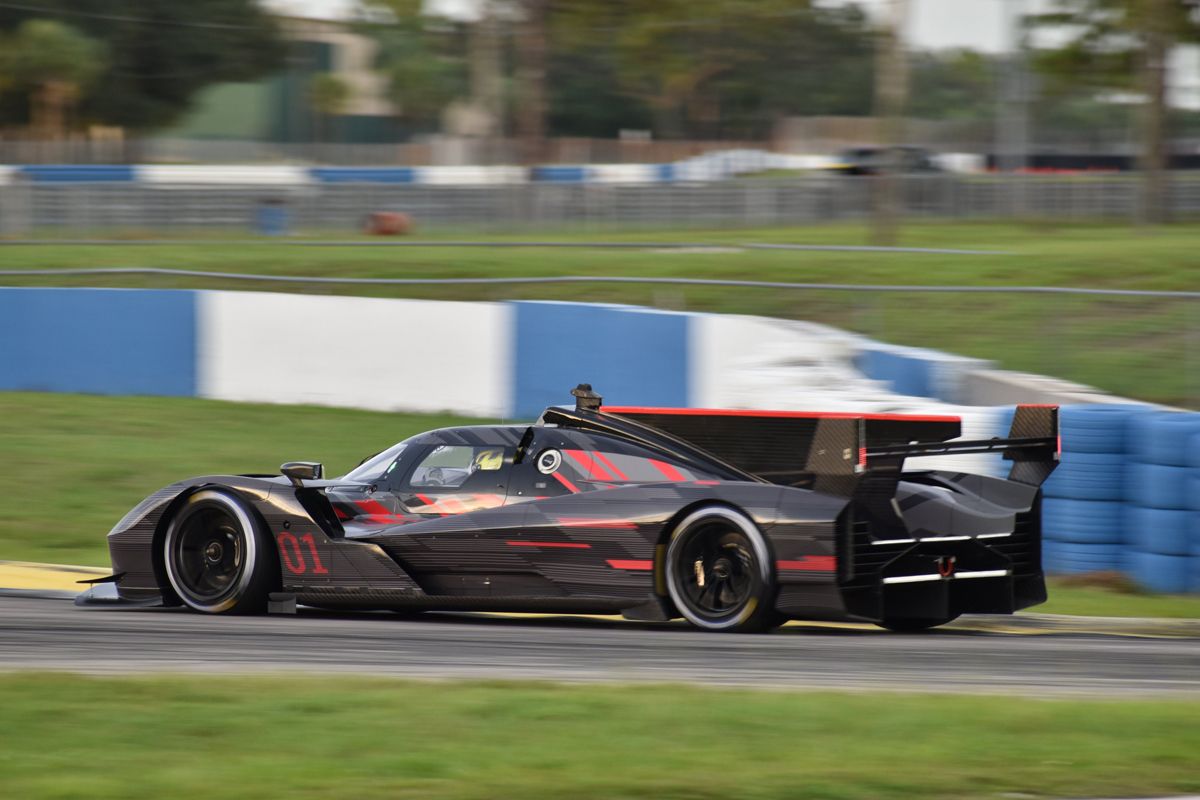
[[832, 452]]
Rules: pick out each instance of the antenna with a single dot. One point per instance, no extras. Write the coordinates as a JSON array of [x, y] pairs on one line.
[[585, 398]]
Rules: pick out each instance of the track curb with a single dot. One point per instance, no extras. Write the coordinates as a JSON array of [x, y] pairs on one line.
[[56, 581]]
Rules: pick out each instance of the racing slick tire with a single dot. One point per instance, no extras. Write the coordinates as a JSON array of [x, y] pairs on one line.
[[913, 624], [719, 572], [217, 556]]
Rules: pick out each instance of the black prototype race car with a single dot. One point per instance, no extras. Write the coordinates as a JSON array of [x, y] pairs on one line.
[[735, 520]]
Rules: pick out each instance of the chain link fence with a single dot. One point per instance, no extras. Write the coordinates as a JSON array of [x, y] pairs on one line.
[[58, 209]]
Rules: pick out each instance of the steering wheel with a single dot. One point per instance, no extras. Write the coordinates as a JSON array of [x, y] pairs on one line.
[[434, 477]]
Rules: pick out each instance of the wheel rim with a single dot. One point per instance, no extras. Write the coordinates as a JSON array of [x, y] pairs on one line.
[[210, 552], [717, 568]]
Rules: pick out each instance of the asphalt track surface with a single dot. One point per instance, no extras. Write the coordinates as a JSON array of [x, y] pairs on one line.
[[45, 633]]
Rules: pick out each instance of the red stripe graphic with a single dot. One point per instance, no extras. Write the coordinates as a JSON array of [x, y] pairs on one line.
[[631, 564], [729, 412], [590, 467], [570, 486], [809, 564], [666, 469], [621, 476], [584, 522], [373, 507], [572, 545]]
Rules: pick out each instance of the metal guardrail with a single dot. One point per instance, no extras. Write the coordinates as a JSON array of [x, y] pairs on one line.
[[43, 209], [619, 279]]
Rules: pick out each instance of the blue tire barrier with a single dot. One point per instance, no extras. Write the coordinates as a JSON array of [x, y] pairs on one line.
[[1159, 486], [1194, 531], [1068, 558], [1088, 476], [1163, 437], [1096, 428], [1160, 573], [1194, 451], [1160, 530], [1193, 491], [1083, 522]]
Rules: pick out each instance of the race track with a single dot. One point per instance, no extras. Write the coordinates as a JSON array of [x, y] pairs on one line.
[[44, 633]]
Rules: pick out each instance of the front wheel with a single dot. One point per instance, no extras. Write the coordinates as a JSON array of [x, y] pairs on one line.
[[217, 557], [718, 572]]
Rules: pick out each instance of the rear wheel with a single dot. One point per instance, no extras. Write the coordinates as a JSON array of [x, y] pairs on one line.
[[719, 574], [217, 557]]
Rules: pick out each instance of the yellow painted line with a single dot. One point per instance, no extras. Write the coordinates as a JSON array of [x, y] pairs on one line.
[[41, 577]]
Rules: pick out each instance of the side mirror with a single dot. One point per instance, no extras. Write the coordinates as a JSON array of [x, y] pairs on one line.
[[299, 471]]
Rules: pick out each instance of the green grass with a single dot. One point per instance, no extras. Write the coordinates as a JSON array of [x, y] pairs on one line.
[[1068, 596], [77, 463], [64, 736], [1140, 347]]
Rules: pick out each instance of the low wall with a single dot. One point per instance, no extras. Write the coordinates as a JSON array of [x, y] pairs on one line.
[[1124, 497]]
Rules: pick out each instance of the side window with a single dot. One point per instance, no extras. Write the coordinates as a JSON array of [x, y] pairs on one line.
[[448, 467]]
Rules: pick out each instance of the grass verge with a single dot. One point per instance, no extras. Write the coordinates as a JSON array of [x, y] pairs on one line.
[[1139, 347], [77, 463], [216, 737]]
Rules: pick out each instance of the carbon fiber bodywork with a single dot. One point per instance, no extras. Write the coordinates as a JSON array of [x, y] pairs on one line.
[[585, 528]]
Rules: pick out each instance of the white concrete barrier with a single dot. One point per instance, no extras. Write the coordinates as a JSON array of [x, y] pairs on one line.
[[358, 352]]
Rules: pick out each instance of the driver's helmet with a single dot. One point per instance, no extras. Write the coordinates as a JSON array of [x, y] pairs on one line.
[[488, 460]]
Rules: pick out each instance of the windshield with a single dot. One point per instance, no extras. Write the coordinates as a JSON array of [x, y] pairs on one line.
[[377, 466]]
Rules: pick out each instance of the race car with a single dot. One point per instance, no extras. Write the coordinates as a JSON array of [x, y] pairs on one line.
[[734, 520]]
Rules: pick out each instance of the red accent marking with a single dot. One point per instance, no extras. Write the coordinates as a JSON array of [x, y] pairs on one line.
[[862, 457], [729, 412], [706, 483], [452, 505], [373, 507], [427, 500], [809, 564], [667, 470], [631, 564], [572, 545], [589, 465], [318, 567], [489, 500], [337, 510], [570, 486], [294, 568], [585, 522], [621, 476]]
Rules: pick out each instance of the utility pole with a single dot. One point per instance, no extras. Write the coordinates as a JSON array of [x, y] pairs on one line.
[[531, 81], [486, 75], [891, 99], [1012, 113], [1157, 46]]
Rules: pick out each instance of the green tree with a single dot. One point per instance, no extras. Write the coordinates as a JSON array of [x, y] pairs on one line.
[[327, 94], [423, 58], [709, 68], [160, 53], [52, 63], [1122, 46]]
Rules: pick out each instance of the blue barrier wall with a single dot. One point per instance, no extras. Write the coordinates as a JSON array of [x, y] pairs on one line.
[[633, 356], [100, 341]]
